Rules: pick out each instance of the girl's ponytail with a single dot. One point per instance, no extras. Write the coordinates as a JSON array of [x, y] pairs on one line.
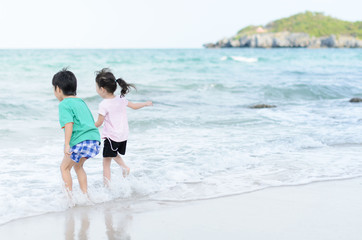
[[125, 87]]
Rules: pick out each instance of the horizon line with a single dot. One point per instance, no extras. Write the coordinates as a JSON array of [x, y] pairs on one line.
[[95, 48]]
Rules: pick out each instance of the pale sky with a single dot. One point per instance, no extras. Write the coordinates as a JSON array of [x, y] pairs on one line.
[[146, 23]]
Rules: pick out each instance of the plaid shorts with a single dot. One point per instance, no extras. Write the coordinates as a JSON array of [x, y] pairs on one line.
[[85, 149]]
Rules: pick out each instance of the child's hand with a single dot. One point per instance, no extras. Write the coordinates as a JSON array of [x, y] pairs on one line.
[[149, 103], [67, 150]]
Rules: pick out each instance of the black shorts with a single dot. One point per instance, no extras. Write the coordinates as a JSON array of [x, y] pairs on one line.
[[111, 148]]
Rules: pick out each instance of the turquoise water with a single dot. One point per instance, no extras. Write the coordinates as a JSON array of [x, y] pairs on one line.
[[201, 139]]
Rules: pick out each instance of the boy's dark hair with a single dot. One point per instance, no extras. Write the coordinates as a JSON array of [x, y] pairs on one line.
[[66, 81], [106, 80]]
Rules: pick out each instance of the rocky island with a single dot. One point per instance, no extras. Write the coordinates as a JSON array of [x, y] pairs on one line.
[[304, 30]]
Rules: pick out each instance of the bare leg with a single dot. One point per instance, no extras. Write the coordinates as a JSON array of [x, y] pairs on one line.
[[107, 170], [65, 168], [120, 162], [82, 176]]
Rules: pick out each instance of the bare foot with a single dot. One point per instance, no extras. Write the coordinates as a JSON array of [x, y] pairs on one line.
[[126, 171], [69, 196], [88, 201], [107, 182]]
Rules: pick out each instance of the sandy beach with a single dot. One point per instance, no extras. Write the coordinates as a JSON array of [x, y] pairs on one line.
[[324, 210]]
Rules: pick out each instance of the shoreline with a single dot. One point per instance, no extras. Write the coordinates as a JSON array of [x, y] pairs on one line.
[[321, 210], [151, 203]]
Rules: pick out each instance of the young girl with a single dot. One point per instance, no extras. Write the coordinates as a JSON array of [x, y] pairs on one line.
[[112, 112]]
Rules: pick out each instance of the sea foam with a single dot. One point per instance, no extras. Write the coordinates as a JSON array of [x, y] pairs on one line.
[[239, 59]]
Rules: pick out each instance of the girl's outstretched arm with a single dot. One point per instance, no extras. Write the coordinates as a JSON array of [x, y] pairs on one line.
[[99, 121], [139, 105]]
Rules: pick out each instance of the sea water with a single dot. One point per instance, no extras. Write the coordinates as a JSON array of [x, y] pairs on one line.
[[201, 139]]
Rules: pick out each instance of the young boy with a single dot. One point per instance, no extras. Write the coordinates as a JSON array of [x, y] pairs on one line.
[[82, 138]]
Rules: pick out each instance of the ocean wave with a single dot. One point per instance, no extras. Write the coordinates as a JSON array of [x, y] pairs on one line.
[[295, 72], [191, 59], [307, 92], [18, 111], [239, 59], [170, 198], [92, 98]]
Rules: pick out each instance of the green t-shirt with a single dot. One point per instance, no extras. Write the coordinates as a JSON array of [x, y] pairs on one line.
[[75, 110]]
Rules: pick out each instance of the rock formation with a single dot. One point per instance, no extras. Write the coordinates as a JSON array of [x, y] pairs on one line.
[[287, 40], [263, 106]]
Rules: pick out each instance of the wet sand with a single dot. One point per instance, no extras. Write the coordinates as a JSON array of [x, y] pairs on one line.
[[326, 210]]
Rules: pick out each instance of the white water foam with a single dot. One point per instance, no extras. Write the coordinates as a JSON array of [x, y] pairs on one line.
[[239, 59]]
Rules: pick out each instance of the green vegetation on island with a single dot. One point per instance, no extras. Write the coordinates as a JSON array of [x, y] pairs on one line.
[[315, 24], [303, 30]]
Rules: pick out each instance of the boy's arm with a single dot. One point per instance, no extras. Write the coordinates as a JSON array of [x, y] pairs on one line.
[[68, 129], [139, 105], [99, 121]]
